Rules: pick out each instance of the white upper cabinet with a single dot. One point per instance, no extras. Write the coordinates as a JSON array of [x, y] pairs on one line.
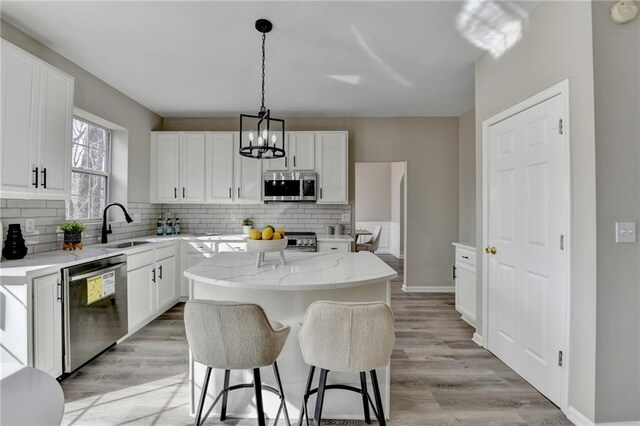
[[165, 166], [280, 164], [192, 173], [302, 151], [248, 178], [332, 154], [219, 167], [178, 167], [37, 111]]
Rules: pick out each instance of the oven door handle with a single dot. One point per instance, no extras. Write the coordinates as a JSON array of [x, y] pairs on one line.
[[97, 272]]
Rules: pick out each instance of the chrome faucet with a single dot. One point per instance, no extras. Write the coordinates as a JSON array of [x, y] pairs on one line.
[[104, 220]]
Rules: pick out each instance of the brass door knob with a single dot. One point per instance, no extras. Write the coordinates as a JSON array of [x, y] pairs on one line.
[[491, 250]]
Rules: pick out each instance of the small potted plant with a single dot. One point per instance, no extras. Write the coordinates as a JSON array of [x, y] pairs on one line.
[[247, 224], [72, 235]]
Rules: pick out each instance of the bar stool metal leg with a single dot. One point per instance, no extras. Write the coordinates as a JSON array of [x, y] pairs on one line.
[[304, 413], [317, 418], [203, 395], [283, 403], [376, 393], [365, 397], [257, 385], [225, 396]]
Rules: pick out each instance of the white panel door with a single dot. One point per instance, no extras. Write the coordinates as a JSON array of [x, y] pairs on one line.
[[192, 167], [302, 146], [18, 146], [165, 281], [219, 169], [527, 278], [141, 302], [332, 159], [248, 178], [47, 348], [165, 149], [54, 141]]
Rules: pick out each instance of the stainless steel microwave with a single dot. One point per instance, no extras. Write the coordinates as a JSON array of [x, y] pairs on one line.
[[290, 186]]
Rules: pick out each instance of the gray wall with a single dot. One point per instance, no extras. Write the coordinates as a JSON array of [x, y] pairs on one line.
[[557, 44], [467, 177], [616, 57], [97, 97], [373, 192], [430, 148]]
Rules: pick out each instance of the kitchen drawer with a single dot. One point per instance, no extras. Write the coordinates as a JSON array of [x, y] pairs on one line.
[[465, 256], [140, 259], [165, 252], [327, 246]]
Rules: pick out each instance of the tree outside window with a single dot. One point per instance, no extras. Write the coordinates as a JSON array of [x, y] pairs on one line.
[[90, 165]]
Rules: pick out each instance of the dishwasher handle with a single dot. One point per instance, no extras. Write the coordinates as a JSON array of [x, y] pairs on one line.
[[97, 272]]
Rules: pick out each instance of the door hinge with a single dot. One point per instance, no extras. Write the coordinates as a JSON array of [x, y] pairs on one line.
[[560, 358], [561, 126], [561, 242]]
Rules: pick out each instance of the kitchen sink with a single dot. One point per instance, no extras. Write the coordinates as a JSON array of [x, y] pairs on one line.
[[128, 244]]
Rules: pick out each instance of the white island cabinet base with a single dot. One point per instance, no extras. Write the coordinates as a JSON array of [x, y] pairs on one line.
[[285, 292]]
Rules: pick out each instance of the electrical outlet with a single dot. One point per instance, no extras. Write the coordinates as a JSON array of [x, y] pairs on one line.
[[625, 232], [346, 217], [136, 218], [30, 226]]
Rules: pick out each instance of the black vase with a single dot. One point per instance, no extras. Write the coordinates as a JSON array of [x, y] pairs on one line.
[[14, 247]]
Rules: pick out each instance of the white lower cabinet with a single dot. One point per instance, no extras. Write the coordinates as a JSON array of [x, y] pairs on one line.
[[152, 286], [465, 283], [334, 246], [47, 325]]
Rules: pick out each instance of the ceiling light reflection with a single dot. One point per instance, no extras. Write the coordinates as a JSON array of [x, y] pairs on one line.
[[490, 25], [353, 79]]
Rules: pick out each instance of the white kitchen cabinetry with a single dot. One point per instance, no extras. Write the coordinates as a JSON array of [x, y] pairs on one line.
[[280, 164], [248, 177], [301, 153], [152, 286], [332, 154], [47, 321], [334, 246], [178, 167], [219, 167], [465, 282], [37, 111]]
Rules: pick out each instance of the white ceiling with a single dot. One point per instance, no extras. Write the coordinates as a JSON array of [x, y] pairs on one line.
[[195, 59]]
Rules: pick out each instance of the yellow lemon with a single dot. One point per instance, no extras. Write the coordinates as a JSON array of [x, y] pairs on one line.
[[267, 233], [277, 236], [255, 234], [280, 231]]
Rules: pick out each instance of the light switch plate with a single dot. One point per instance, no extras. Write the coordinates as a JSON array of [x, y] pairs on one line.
[[625, 232], [30, 226], [346, 217]]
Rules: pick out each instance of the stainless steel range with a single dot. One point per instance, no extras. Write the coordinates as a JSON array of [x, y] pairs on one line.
[[302, 241]]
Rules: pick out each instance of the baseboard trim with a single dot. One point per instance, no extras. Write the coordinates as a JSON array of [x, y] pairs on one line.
[[428, 289], [580, 419], [477, 339]]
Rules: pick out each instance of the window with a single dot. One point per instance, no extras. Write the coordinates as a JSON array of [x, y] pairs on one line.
[[90, 168]]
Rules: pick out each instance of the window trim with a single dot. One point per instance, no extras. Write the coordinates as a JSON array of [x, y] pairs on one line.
[[108, 157]]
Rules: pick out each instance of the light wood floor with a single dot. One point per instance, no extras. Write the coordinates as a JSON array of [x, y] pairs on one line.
[[438, 375]]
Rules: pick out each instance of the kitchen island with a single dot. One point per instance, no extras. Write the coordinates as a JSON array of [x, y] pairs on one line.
[[285, 292]]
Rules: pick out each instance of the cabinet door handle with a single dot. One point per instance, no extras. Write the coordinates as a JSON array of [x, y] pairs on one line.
[[334, 248], [294, 161], [321, 193], [238, 192], [229, 192], [44, 177], [184, 192], [454, 272], [160, 268], [175, 192], [285, 162], [465, 257], [36, 174], [59, 290], [153, 279]]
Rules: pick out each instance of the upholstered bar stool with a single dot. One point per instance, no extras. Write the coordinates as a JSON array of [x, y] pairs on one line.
[[346, 337], [235, 336]]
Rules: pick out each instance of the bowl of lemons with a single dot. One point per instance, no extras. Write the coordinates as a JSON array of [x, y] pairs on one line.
[[269, 240]]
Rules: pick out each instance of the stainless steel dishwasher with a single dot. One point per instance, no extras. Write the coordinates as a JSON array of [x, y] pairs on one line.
[[95, 309]]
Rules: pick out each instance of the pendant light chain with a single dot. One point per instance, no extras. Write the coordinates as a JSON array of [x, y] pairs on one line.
[[264, 38]]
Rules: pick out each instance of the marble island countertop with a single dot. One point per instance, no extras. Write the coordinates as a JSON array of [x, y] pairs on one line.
[[303, 271]]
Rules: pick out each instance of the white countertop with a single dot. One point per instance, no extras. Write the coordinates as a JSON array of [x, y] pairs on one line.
[[333, 237], [303, 271], [467, 246]]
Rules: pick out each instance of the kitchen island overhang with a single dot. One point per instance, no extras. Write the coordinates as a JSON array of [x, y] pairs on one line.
[[285, 292]]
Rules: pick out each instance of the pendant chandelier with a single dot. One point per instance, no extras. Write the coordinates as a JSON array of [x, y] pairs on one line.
[[262, 136]]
